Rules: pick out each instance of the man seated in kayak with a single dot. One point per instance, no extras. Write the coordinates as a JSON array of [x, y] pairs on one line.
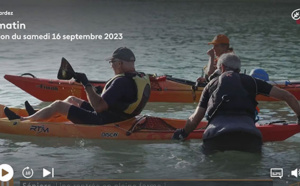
[[123, 97], [229, 103], [220, 46]]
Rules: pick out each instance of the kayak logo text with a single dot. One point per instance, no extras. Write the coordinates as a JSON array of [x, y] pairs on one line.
[[47, 87], [109, 134], [296, 15], [39, 129]]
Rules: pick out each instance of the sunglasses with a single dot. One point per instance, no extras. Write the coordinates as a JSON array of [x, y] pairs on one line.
[[113, 60]]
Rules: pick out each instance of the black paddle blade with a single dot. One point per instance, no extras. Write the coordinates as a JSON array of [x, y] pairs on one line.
[[65, 71]]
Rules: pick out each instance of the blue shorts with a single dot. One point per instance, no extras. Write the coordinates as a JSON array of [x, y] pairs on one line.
[[84, 115]]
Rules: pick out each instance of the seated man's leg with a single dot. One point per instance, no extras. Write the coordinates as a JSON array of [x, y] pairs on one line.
[[74, 101], [57, 107], [75, 114], [79, 103], [84, 116]]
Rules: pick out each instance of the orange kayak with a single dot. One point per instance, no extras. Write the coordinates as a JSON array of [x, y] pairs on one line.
[[138, 128], [163, 89]]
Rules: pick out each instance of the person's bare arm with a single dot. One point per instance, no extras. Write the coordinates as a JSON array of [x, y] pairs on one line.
[[194, 120], [286, 96], [211, 62], [95, 99]]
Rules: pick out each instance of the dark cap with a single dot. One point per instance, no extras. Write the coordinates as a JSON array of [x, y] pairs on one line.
[[123, 53]]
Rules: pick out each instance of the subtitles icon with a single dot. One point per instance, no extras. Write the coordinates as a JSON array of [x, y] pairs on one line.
[[47, 173], [295, 173], [276, 173], [27, 172], [6, 172]]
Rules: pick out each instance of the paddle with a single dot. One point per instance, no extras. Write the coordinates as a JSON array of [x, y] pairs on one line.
[[65, 72]]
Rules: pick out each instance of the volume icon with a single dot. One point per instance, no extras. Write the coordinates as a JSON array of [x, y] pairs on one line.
[[295, 173]]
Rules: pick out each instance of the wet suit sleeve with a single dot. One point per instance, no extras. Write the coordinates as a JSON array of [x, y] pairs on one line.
[[263, 87], [204, 98]]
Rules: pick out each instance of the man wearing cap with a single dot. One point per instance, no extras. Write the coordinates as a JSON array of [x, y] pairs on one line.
[[123, 97], [220, 46], [229, 105]]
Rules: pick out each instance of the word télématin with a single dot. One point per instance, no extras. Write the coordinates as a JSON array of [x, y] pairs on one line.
[[13, 26]]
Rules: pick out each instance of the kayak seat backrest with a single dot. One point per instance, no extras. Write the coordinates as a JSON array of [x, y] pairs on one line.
[[154, 80], [151, 123], [157, 78]]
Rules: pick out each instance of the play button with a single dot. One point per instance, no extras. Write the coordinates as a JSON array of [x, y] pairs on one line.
[[6, 172]]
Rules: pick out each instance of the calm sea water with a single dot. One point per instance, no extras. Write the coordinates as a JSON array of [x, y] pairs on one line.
[[168, 37]]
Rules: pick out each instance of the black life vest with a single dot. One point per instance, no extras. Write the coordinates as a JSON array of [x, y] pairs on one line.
[[142, 83], [238, 101]]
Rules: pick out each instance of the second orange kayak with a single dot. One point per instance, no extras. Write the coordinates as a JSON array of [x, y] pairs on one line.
[[138, 128], [163, 89]]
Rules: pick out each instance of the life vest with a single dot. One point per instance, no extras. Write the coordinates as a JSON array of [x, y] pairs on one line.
[[142, 82], [228, 96]]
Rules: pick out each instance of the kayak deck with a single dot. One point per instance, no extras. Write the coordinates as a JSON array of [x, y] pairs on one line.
[[138, 128], [163, 89]]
